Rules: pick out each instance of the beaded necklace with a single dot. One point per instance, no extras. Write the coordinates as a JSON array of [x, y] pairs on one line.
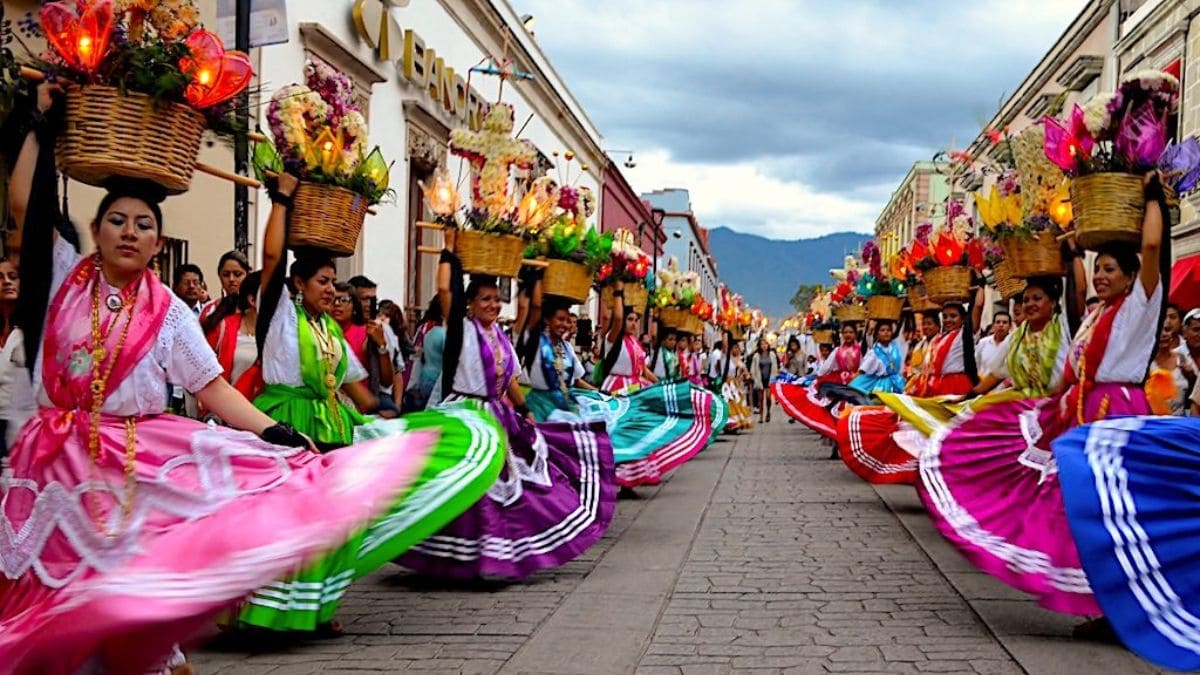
[[99, 389]]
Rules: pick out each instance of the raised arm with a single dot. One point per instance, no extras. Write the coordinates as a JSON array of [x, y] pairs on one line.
[[1152, 232], [275, 237], [616, 323]]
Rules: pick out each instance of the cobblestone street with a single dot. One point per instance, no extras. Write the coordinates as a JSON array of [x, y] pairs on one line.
[[760, 554]]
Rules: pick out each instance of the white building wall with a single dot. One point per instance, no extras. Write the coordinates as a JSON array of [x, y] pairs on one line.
[[384, 243]]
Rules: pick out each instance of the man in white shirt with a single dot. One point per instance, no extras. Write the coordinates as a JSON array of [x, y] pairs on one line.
[[1189, 348], [997, 343]]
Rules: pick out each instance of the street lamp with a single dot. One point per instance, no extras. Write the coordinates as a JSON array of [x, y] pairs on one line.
[[629, 163]]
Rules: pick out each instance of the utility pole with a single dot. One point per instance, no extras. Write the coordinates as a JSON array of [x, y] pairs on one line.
[[241, 144]]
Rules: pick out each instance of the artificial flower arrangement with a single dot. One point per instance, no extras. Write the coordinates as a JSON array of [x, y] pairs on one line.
[[1107, 145], [676, 295], [676, 289], [945, 256], [565, 234], [493, 153], [143, 81], [320, 136], [882, 292], [1125, 131], [155, 47], [1020, 238], [629, 263]]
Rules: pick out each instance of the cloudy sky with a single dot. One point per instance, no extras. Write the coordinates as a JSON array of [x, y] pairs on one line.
[[792, 118]]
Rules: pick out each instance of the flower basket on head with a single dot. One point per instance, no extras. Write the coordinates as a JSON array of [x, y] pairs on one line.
[[636, 296], [109, 133], [567, 279], [948, 284], [142, 84], [320, 136], [326, 217], [496, 255], [676, 319], [885, 307], [1039, 256], [1108, 207], [823, 336], [850, 313], [918, 299], [1007, 284], [1108, 145]]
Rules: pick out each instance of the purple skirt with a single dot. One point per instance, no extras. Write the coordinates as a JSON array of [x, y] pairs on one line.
[[991, 487], [554, 499]]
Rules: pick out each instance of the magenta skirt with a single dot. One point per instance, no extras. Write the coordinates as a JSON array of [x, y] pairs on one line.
[[991, 487]]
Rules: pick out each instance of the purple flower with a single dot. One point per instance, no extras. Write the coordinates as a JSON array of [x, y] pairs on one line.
[[923, 231], [1141, 137], [568, 198], [1180, 164]]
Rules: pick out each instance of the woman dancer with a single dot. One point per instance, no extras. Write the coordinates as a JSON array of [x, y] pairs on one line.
[[556, 495], [654, 428], [307, 366], [553, 368], [991, 485], [883, 365], [665, 362], [157, 549], [809, 404]]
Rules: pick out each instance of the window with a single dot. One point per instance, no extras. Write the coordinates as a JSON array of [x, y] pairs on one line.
[[173, 254]]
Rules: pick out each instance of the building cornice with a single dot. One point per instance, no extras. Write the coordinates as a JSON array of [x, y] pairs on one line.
[[1091, 16]]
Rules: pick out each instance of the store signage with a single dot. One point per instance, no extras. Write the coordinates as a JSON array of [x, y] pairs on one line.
[[418, 63]]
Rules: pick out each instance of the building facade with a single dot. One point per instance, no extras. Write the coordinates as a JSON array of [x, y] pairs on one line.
[[411, 71], [924, 187], [411, 67], [686, 240]]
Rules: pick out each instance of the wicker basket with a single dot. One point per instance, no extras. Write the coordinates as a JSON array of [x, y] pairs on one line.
[[823, 336], [675, 318], [1037, 257], [326, 217], [694, 326], [1108, 207], [948, 284], [885, 307], [1007, 284], [738, 333], [918, 299], [848, 313], [109, 133], [496, 255], [567, 280], [636, 296]]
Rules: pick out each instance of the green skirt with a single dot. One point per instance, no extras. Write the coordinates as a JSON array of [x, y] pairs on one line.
[[466, 461]]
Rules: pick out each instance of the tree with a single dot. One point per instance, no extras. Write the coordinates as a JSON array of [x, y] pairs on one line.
[[804, 295]]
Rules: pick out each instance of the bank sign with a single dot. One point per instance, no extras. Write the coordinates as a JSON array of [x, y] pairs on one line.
[[417, 62]]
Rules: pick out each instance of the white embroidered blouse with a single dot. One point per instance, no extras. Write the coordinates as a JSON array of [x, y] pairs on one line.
[[180, 353]]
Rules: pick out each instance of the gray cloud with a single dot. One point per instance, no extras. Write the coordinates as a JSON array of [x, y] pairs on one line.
[[836, 96]]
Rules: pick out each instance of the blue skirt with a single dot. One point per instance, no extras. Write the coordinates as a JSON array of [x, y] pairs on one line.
[[1132, 491]]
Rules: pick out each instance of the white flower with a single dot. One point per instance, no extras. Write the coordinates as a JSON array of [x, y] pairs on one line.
[[1096, 116]]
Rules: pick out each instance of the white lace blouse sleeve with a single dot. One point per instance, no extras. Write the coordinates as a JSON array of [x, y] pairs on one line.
[[64, 259], [577, 373], [281, 349], [191, 363], [872, 364], [829, 365]]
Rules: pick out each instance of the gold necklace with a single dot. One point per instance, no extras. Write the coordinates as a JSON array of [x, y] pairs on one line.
[[328, 355], [99, 389]]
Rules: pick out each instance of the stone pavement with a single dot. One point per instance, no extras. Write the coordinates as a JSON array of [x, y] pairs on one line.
[[759, 555]]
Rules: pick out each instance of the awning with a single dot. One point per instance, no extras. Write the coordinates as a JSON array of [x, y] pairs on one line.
[[1185, 282]]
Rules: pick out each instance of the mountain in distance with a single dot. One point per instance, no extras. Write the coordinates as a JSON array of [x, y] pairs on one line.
[[766, 272]]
